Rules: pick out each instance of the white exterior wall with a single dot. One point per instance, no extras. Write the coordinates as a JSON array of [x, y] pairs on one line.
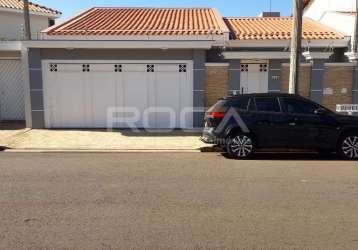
[[341, 22], [11, 25], [317, 9]]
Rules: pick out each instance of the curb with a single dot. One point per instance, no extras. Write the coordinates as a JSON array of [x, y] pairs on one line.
[[102, 151]]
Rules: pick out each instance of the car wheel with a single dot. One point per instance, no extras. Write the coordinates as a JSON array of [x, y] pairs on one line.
[[240, 146], [348, 147]]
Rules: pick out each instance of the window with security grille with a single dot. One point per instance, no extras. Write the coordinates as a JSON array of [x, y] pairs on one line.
[[263, 67], [244, 67], [150, 68], [53, 67], [117, 68], [86, 68], [182, 68]]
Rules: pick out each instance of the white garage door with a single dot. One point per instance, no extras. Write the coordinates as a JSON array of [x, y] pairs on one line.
[[117, 94], [12, 105]]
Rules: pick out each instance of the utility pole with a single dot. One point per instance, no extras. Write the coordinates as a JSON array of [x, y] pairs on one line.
[[296, 38], [27, 20]]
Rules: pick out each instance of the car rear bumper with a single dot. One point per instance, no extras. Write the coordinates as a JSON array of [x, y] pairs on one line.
[[210, 137]]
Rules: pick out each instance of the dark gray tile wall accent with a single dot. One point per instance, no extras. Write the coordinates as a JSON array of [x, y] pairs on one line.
[[38, 119], [275, 75], [37, 100], [36, 88], [234, 75], [199, 120], [35, 58], [199, 98], [317, 75], [35, 79], [199, 57], [316, 96]]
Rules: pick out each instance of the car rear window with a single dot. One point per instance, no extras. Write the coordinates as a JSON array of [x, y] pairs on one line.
[[267, 104], [238, 103]]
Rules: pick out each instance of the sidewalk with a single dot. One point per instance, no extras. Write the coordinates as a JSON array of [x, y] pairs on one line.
[[100, 140]]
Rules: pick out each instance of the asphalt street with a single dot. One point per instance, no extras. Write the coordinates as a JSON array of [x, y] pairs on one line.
[[176, 201]]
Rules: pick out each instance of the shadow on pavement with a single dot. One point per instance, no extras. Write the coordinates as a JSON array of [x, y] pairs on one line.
[[291, 157], [12, 125], [139, 132]]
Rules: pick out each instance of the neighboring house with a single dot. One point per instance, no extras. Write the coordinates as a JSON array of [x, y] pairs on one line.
[[162, 59], [338, 14], [12, 19], [261, 47], [12, 105]]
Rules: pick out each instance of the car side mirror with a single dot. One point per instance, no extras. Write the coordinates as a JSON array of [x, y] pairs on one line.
[[320, 111]]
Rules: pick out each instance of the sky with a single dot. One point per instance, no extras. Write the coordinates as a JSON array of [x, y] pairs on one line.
[[226, 7]]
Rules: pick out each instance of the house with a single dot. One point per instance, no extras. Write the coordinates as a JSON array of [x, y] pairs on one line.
[[160, 63], [12, 106], [12, 19], [339, 15], [143, 59]]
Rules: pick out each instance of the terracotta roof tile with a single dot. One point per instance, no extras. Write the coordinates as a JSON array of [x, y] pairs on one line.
[[19, 5], [143, 21], [277, 28]]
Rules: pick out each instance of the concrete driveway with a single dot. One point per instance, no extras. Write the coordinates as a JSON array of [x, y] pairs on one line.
[[100, 140]]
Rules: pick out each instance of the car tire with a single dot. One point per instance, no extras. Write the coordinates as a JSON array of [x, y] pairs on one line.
[[348, 147], [240, 146]]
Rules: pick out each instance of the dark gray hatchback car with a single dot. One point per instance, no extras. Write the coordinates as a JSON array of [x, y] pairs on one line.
[[245, 123]]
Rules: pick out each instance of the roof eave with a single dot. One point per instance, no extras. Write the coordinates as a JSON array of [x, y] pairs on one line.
[[85, 44], [52, 15], [285, 43], [208, 37]]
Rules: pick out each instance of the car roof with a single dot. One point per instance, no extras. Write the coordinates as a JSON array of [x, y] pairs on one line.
[[262, 95]]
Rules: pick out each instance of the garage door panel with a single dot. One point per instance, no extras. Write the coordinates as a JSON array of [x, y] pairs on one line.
[[103, 96], [166, 68], [134, 67], [80, 94], [70, 101], [168, 99], [102, 67], [68, 67], [136, 93]]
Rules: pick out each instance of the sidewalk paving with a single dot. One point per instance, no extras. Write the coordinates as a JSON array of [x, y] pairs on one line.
[[9, 131], [42, 139]]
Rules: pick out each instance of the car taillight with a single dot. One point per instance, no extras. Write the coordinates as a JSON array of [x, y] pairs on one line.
[[219, 115]]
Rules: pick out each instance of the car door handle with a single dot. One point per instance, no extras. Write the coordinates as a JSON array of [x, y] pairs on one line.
[[292, 124]]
